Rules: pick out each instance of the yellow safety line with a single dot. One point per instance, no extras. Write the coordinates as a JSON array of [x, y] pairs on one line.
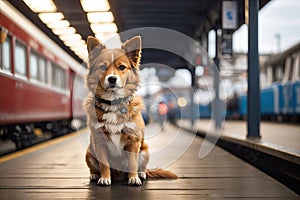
[[40, 146]]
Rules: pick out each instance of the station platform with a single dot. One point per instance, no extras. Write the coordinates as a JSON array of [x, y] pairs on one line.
[[57, 170], [277, 139]]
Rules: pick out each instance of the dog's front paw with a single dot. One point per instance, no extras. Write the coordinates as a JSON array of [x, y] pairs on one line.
[[134, 181], [104, 181]]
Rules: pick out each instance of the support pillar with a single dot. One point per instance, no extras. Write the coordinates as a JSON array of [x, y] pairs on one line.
[[192, 92], [253, 105]]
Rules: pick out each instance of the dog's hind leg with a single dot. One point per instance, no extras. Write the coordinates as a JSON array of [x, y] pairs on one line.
[[93, 164]]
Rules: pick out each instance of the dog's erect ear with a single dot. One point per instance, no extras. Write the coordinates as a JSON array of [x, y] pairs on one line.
[[133, 48], [93, 42]]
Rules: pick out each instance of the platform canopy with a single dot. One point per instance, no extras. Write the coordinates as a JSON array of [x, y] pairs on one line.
[[194, 18]]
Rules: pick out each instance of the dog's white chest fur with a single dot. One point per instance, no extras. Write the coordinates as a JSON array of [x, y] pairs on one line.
[[110, 117], [115, 146], [111, 124]]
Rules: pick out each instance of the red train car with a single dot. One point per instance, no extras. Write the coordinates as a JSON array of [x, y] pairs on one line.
[[36, 81]]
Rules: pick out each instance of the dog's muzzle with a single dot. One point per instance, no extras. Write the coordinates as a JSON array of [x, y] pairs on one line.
[[112, 82]]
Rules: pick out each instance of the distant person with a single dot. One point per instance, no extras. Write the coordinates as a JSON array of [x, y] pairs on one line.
[[233, 106], [162, 111], [172, 114]]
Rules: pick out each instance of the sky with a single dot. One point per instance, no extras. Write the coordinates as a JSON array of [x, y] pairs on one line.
[[277, 17]]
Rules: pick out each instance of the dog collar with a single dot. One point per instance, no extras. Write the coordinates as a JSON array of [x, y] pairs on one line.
[[123, 109], [113, 102]]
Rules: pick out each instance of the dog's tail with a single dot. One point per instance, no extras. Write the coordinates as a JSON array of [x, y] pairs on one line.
[[160, 173]]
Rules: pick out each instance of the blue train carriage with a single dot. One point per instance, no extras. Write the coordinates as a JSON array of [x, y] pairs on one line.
[[289, 99], [296, 98], [280, 98], [269, 101], [283, 72], [205, 111]]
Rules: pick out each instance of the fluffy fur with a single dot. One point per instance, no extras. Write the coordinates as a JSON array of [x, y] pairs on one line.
[[117, 146]]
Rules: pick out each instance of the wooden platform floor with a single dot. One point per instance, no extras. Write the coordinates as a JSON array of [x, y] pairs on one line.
[[282, 135], [57, 170]]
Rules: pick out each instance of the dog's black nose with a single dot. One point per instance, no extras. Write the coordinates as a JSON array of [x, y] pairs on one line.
[[112, 79]]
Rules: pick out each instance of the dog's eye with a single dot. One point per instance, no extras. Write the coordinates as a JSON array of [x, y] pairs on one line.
[[122, 67], [103, 67]]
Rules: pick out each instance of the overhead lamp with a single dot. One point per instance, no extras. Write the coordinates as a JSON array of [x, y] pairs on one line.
[[100, 17], [71, 37], [82, 47], [51, 17], [64, 31], [104, 28], [79, 48], [106, 36], [81, 51], [111, 40], [76, 48], [41, 6], [73, 43], [95, 5], [83, 56], [59, 24]]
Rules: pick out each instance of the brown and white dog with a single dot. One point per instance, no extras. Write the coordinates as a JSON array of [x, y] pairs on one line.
[[117, 146]]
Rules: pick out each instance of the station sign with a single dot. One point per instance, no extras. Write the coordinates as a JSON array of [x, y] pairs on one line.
[[229, 14]]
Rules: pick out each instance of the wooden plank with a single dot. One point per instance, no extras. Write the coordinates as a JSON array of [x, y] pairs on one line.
[[59, 171]]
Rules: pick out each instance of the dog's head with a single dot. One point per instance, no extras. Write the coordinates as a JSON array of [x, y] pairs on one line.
[[113, 73]]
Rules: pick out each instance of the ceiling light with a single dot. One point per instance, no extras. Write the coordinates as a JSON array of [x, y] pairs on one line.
[[64, 31], [104, 28], [41, 6], [111, 40], [83, 56], [74, 43], [79, 48], [97, 17], [95, 5], [106, 36], [59, 24], [51, 17], [80, 51], [72, 37]]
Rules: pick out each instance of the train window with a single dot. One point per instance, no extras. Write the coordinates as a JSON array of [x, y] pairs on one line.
[[6, 54], [20, 59], [61, 78], [58, 77], [38, 67], [42, 70], [62, 83], [33, 66], [53, 75]]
